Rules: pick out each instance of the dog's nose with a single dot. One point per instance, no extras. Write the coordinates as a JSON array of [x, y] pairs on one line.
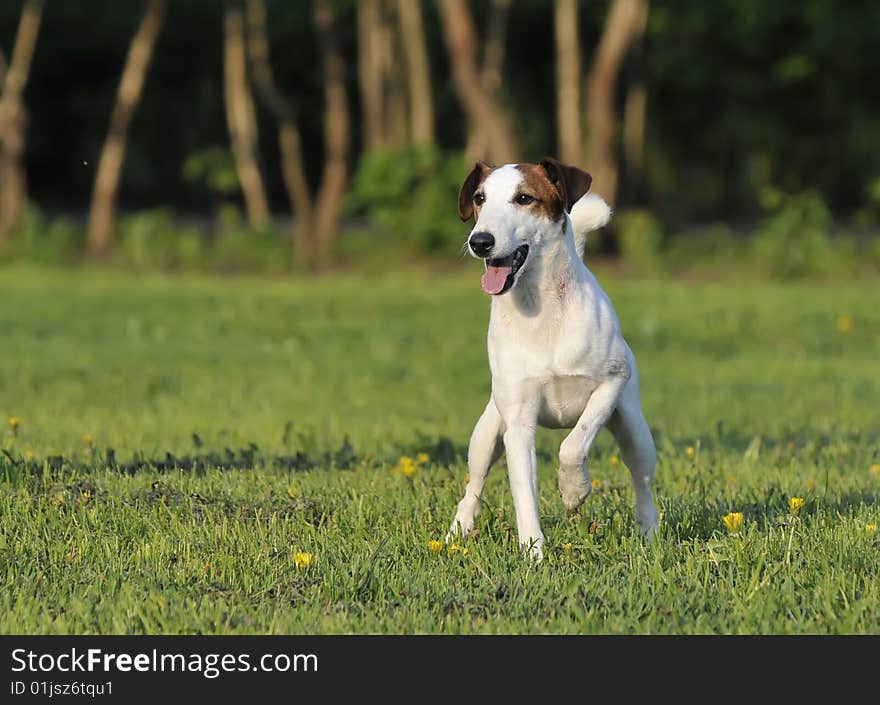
[[481, 243]]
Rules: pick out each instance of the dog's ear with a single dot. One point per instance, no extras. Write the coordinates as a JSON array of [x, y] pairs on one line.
[[469, 188], [569, 181]]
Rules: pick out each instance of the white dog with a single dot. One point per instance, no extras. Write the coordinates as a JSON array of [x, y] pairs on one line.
[[556, 352]]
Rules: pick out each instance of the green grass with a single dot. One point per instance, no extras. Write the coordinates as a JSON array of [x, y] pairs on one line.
[[303, 395]]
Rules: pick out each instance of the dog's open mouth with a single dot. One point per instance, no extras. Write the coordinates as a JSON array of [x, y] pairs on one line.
[[501, 271]]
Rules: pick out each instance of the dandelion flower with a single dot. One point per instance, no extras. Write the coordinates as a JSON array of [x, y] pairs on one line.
[[291, 491], [844, 324], [596, 483], [406, 466], [875, 469], [14, 422], [567, 547], [435, 547], [795, 504], [870, 528], [455, 548], [690, 452], [422, 458], [302, 559], [733, 521], [88, 440], [613, 460]]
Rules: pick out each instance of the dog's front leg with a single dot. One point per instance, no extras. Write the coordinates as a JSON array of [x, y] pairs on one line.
[[484, 449], [519, 442], [574, 479]]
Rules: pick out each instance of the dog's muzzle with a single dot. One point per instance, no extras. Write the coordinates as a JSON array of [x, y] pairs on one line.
[[501, 272]]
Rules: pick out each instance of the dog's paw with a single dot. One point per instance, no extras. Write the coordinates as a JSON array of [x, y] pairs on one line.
[[465, 515], [574, 487], [534, 549], [648, 520]]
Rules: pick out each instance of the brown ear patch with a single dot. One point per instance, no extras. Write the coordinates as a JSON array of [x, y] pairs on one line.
[[570, 182], [469, 188], [535, 183]]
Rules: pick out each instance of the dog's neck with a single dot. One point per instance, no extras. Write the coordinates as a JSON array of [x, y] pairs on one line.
[[552, 271]]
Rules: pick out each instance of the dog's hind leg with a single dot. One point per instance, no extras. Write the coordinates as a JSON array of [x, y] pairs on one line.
[[486, 446], [638, 452], [573, 476]]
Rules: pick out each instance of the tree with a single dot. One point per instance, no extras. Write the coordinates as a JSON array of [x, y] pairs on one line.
[[289, 138], [483, 109], [106, 187], [494, 46], [13, 118], [418, 72], [624, 23], [241, 117], [568, 76], [336, 134]]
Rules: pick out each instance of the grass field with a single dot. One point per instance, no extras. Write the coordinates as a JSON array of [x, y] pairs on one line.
[[221, 455]]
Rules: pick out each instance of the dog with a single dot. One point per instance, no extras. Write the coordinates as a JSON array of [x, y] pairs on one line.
[[556, 352]]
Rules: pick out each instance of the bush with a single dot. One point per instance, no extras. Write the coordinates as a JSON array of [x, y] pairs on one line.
[[794, 240], [412, 195], [150, 239], [39, 239], [639, 237]]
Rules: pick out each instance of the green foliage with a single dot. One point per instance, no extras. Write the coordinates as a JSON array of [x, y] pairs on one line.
[[794, 240], [238, 248], [38, 238], [149, 239], [781, 402], [640, 237], [411, 194], [214, 168]]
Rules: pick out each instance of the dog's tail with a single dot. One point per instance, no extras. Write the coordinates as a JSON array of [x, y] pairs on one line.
[[589, 213]]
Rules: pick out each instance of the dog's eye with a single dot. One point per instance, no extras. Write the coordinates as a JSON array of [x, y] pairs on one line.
[[523, 199], [479, 199]]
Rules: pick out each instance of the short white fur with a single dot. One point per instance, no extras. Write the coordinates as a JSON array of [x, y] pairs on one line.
[[558, 360]]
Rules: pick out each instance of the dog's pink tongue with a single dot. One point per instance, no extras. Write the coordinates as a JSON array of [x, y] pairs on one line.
[[494, 278]]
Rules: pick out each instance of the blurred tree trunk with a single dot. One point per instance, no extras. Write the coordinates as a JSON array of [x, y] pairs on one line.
[[483, 110], [106, 186], [421, 102], [621, 27], [568, 77], [370, 72], [635, 107], [241, 118], [381, 75], [336, 134], [13, 118], [289, 138], [491, 72]]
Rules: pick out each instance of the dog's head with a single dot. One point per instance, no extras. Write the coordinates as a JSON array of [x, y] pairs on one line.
[[517, 208]]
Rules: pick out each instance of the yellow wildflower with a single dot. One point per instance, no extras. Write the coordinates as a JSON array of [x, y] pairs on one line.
[[690, 452], [455, 548], [291, 491], [405, 466], [613, 460], [14, 423], [875, 469], [435, 547], [596, 483], [870, 528], [302, 559], [795, 504], [88, 440], [567, 547], [845, 324], [733, 521], [29, 454], [422, 458]]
